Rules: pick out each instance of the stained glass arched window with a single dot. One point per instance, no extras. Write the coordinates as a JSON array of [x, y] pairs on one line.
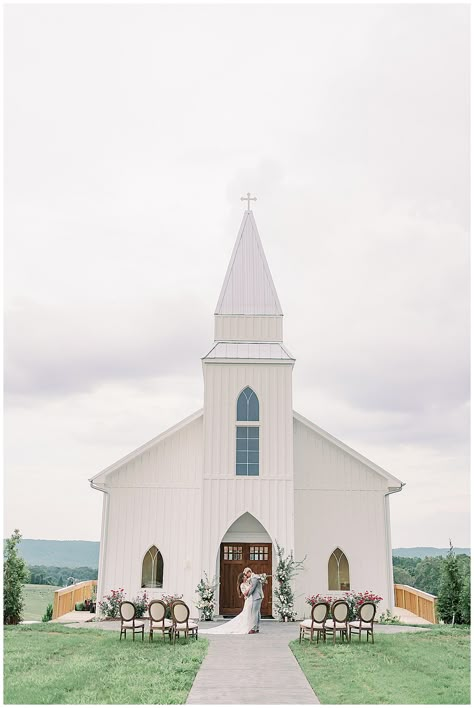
[[152, 569], [247, 405], [338, 571]]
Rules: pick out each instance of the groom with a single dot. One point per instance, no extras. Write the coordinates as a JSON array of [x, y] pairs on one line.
[[256, 591]]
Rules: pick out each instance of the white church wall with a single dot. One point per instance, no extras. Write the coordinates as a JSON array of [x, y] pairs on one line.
[[251, 328], [268, 497], [339, 503], [155, 499], [174, 461], [222, 386]]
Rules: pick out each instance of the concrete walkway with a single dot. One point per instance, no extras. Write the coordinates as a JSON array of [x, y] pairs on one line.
[[252, 669]]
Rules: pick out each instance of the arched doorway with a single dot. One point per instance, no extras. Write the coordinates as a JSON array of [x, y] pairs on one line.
[[246, 543]]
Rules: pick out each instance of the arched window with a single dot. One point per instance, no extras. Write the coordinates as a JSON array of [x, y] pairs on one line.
[[247, 436], [152, 569], [338, 571], [247, 405]]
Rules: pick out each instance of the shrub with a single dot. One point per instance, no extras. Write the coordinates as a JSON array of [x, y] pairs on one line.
[[48, 615], [15, 573], [168, 600], [110, 604], [388, 618], [141, 603]]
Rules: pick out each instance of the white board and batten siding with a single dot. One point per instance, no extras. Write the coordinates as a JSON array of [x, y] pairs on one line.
[[155, 499], [339, 503], [268, 497]]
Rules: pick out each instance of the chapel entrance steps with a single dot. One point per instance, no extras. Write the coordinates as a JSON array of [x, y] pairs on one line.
[[414, 606]]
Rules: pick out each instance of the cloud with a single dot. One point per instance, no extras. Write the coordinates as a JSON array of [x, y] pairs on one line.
[[55, 351]]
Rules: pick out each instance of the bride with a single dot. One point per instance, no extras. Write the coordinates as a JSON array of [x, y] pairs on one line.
[[241, 623]]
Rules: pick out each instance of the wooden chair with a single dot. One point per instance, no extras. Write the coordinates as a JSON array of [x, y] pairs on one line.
[[181, 622], [319, 615], [339, 622], [128, 613], [364, 621], [158, 621]]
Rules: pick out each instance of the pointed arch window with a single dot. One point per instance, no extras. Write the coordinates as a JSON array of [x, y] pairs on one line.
[[152, 569], [247, 462], [338, 571], [247, 405]]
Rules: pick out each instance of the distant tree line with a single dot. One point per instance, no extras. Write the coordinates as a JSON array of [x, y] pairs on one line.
[[448, 578], [60, 576]]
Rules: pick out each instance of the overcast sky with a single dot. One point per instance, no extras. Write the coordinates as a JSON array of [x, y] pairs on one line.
[[132, 132]]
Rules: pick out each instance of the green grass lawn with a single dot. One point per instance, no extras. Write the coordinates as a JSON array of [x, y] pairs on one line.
[[37, 598], [412, 668], [51, 663]]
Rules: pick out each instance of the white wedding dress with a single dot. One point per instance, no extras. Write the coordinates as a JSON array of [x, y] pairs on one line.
[[240, 624]]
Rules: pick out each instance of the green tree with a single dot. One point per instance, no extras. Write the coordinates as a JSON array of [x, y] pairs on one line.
[[465, 599], [15, 574], [428, 574], [402, 576], [449, 606]]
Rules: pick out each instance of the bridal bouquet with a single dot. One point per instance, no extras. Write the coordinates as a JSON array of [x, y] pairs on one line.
[[264, 578]]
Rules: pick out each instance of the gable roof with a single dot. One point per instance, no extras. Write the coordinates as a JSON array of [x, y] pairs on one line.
[[248, 287], [394, 482], [147, 445]]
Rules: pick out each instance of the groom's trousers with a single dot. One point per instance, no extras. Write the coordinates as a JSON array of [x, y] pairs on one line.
[[256, 605]]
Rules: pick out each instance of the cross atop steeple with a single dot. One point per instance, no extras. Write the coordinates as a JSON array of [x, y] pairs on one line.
[[248, 199]]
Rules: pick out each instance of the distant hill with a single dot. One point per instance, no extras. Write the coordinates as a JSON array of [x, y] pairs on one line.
[[424, 551], [69, 554]]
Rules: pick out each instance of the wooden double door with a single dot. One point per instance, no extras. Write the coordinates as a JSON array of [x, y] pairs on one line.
[[234, 558]]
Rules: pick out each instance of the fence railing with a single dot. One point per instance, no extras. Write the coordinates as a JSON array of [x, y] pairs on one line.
[[65, 599], [420, 603]]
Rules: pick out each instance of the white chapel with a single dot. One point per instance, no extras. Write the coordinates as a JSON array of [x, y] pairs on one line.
[[217, 491]]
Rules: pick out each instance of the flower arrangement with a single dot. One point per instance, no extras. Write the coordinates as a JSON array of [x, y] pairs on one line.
[[110, 604], [206, 602], [264, 578], [168, 600], [353, 599], [141, 603], [286, 569]]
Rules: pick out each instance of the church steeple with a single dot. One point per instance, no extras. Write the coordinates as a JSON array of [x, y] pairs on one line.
[[248, 287], [248, 309]]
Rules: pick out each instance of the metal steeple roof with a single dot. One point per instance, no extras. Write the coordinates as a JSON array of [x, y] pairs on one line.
[[248, 287]]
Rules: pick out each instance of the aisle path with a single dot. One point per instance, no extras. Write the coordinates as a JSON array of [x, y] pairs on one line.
[[258, 668]]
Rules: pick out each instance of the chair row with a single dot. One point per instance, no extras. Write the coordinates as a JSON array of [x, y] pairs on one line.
[[178, 624], [320, 625]]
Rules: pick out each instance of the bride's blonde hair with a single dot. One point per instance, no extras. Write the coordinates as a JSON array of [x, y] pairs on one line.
[[240, 579]]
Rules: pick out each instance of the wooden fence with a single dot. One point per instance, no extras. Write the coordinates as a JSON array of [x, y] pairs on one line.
[[65, 599], [420, 603]]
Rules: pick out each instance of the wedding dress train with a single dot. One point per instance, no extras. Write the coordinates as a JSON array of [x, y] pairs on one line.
[[240, 624]]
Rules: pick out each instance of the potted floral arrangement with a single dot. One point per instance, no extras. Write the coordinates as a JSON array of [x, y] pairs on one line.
[[93, 600], [286, 570], [206, 603], [141, 604], [168, 600]]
